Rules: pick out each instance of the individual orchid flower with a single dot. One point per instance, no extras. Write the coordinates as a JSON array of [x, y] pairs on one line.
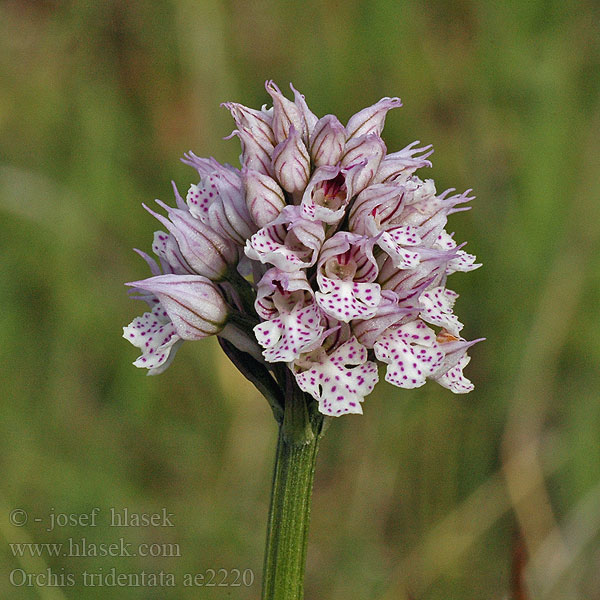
[[293, 323], [414, 353], [277, 286], [340, 380], [153, 332], [429, 212], [375, 214], [290, 242], [346, 274], [294, 331], [264, 197], [326, 196]]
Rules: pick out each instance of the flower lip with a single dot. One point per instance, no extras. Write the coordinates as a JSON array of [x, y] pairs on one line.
[[345, 274], [157, 338], [339, 380]]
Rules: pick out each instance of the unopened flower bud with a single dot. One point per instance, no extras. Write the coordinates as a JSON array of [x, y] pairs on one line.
[[256, 151], [205, 251], [291, 163], [310, 119], [290, 242], [194, 304], [285, 114], [371, 119], [258, 121], [365, 152], [327, 141], [264, 198]]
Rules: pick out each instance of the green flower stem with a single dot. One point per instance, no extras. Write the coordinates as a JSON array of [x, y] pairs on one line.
[[287, 532], [244, 288]]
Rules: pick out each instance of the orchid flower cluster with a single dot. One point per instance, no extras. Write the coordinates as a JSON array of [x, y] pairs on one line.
[[322, 255]]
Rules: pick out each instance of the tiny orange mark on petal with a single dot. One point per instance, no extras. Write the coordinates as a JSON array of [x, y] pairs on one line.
[[444, 336]]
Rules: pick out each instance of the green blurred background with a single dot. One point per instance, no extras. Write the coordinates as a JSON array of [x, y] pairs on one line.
[[428, 495]]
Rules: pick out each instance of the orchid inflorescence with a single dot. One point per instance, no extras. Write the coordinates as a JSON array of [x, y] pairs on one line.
[[323, 255]]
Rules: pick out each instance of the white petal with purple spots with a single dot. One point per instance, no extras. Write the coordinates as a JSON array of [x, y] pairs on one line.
[[155, 335], [268, 246], [462, 261], [437, 306], [411, 354], [347, 300], [340, 381], [395, 241], [454, 379], [285, 337]]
